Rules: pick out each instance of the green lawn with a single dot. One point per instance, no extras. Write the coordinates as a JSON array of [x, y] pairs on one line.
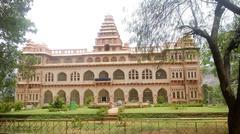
[[211, 109], [83, 110]]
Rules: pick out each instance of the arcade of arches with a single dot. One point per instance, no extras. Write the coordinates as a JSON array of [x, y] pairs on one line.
[[105, 96]]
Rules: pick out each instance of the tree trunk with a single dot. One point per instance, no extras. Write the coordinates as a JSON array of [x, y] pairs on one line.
[[234, 120]]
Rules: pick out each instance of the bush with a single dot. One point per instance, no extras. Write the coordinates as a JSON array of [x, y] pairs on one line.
[[5, 107], [73, 105], [101, 113], [98, 106], [58, 102], [18, 105], [161, 99]]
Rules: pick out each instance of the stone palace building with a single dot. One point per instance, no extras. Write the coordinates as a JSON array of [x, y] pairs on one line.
[[113, 72]]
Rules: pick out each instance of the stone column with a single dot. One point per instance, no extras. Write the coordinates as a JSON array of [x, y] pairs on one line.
[[67, 98], [95, 99], [81, 99], [154, 98], [126, 98]]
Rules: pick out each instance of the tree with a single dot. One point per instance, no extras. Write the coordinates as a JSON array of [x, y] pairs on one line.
[[155, 18], [27, 70], [13, 27]]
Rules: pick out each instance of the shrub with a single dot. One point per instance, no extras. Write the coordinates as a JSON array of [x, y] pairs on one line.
[[58, 102], [101, 113], [5, 107], [88, 100], [73, 105], [161, 99], [18, 105]]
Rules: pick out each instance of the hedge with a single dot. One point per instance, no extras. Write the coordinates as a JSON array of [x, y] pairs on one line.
[[172, 115]]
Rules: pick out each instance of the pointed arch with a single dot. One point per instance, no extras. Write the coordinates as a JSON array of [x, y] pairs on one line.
[[88, 75], [97, 59], [148, 95], [88, 97], [161, 74], [113, 59], [48, 97], [103, 74], [118, 75], [89, 59], [162, 94], [75, 97], [133, 95], [105, 59], [62, 94], [62, 76], [103, 96], [122, 58], [118, 95]]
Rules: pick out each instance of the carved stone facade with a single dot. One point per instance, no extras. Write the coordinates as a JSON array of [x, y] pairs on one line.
[[113, 71]]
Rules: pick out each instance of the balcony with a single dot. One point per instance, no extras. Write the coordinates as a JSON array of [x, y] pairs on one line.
[[104, 80]]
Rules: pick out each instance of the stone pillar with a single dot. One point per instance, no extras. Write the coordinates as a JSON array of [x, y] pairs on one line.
[[67, 98], [126, 99], [154, 98], [140, 97], [81, 99], [95, 99]]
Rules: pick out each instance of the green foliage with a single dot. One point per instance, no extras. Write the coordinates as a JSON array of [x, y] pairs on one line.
[[212, 95], [102, 112], [88, 100], [73, 105], [57, 105], [161, 99], [18, 105], [5, 107], [13, 27]]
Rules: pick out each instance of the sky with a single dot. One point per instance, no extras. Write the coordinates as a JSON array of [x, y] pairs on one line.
[[67, 24]]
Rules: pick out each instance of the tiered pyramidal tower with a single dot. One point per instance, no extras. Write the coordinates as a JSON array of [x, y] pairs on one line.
[[108, 37]]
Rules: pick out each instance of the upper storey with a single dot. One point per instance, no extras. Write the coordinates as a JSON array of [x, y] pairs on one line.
[[108, 38]]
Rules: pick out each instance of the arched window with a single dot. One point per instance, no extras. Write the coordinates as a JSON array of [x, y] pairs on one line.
[[75, 96], [80, 60], [62, 77], [62, 95], [105, 59], [113, 59], [106, 47], [122, 58], [133, 74], [162, 96], [49, 77], [118, 95], [48, 97], [147, 96], [89, 59], [103, 96], [133, 96], [103, 74], [75, 76], [88, 97], [89, 75], [161, 74], [147, 74], [118, 75], [97, 59]]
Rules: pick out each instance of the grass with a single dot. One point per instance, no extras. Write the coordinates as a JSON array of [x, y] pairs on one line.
[[212, 109], [82, 110]]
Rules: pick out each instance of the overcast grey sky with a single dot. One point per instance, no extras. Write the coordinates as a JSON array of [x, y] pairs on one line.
[[66, 24]]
